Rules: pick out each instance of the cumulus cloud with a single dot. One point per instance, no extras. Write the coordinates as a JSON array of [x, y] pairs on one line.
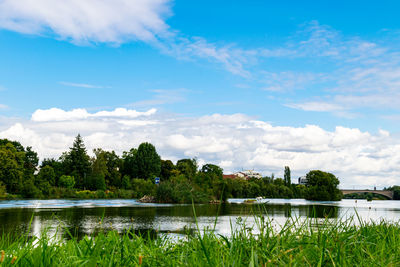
[[234, 141]]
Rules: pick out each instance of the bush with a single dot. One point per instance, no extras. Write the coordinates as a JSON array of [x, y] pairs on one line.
[[3, 192], [101, 194], [86, 194], [67, 181], [143, 187], [126, 182]]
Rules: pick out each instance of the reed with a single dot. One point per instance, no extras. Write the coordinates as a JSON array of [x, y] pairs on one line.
[[297, 243]]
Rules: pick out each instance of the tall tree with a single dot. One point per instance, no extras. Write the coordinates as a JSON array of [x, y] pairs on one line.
[[129, 166], [187, 167], [287, 178], [77, 162], [167, 168], [31, 161], [11, 167], [148, 162], [57, 167], [322, 186], [45, 179]]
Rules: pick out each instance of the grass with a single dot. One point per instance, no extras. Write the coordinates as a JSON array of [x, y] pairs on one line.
[[297, 243]]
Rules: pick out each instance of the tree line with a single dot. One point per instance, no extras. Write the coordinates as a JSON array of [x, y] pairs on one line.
[[107, 175]]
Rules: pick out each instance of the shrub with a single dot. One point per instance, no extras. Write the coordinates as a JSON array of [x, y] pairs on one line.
[[67, 181], [3, 192]]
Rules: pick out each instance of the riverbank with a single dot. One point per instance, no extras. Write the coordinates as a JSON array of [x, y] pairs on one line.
[[329, 244]]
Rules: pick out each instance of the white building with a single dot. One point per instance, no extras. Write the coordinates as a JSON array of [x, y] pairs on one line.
[[248, 174], [303, 180]]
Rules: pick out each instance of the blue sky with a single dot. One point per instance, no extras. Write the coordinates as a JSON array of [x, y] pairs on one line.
[[287, 64]]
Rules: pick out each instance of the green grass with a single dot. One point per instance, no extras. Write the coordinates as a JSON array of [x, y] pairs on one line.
[[297, 243]]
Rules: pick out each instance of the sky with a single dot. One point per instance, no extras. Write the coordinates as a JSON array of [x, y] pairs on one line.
[[241, 84]]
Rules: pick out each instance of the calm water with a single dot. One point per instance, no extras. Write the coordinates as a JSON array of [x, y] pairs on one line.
[[89, 216]]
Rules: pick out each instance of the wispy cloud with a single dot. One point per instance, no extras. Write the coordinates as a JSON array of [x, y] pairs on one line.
[[162, 97], [83, 85], [85, 22], [2, 106], [349, 67], [316, 106]]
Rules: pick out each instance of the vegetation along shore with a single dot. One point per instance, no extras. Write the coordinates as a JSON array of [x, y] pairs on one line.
[[132, 175]]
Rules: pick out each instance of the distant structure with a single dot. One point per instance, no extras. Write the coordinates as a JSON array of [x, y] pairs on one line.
[[303, 180], [244, 175]]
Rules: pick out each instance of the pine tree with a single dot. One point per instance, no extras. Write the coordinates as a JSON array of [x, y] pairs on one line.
[[77, 162], [288, 181]]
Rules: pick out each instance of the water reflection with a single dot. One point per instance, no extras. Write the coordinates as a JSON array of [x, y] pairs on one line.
[[81, 217]]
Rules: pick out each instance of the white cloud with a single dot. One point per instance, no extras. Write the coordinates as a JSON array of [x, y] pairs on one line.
[[288, 80], [233, 141], [110, 21], [83, 85], [315, 106], [56, 114], [162, 97], [2, 106]]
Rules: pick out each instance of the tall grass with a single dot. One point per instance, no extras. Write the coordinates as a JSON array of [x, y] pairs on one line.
[[297, 243]]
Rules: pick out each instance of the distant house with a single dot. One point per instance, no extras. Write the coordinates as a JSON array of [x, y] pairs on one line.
[[303, 180], [229, 176], [245, 175]]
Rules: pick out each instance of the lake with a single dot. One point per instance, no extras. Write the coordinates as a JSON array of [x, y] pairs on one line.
[[80, 217]]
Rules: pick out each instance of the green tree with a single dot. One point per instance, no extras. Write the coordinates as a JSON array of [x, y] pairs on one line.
[[148, 162], [187, 167], [322, 186], [45, 180], [126, 182], [212, 169], [99, 171], [11, 167], [47, 174], [57, 167], [167, 168], [77, 162], [114, 164], [67, 181], [287, 178], [31, 161], [129, 166], [3, 192]]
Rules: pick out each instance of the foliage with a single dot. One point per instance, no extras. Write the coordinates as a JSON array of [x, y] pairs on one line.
[[132, 174], [29, 189], [167, 169], [396, 192], [46, 174], [77, 162], [322, 186], [56, 165], [143, 187], [126, 183], [67, 181], [3, 192], [148, 162], [129, 166], [11, 167], [187, 167], [287, 177]]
